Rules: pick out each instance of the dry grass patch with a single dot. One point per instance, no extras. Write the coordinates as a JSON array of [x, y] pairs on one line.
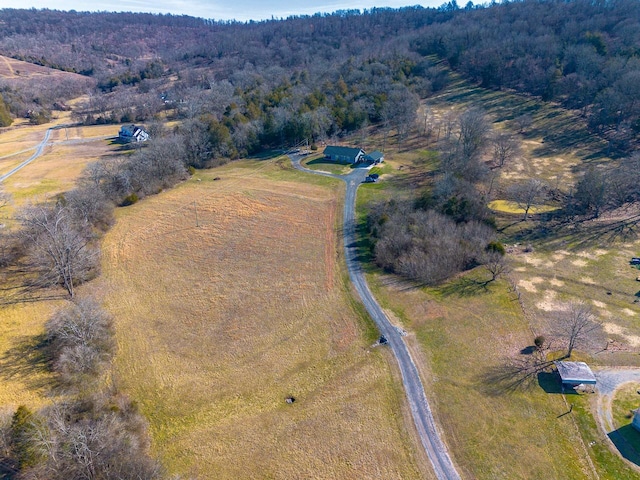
[[601, 276], [506, 206], [24, 379], [10, 68], [217, 324]]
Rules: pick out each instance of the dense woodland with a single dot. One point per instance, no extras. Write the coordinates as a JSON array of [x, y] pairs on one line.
[[240, 88], [283, 81]]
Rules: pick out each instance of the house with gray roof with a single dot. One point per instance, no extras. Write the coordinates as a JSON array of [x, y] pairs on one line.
[[374, 157], [132, 133], [343, 154]]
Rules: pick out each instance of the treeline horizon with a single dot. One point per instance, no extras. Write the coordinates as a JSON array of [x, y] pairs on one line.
[[275, 82]]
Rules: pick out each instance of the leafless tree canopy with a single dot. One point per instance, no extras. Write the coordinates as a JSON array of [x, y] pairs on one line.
[[80, 338], [505, 148], [59, 250], [424, 245], [99, 438], [462, 153], [527, 194], [578, 326]]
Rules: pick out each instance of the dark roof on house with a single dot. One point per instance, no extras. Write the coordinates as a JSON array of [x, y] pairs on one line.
[[342, 151], [575, 373], [375, 156]]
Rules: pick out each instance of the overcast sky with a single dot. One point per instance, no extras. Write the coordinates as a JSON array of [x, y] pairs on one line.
[[217, 9]]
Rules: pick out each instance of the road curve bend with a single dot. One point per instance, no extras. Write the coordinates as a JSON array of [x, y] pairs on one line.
[[420, 410], [39, 149]]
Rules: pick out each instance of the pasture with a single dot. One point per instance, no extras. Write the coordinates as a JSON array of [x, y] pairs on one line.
[[222, 316]]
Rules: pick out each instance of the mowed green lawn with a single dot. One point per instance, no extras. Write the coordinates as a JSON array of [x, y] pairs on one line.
[[218, 323]]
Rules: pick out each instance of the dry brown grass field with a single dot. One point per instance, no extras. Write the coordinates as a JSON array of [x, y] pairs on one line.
[[10, 68], [218, 323], [63, 160], [23, 380]]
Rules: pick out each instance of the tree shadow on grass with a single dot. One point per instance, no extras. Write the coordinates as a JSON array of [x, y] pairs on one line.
[[29, 362], [324, 161], [520, 373], [627, 441], [463, 287], [577, 234], [550, 382]]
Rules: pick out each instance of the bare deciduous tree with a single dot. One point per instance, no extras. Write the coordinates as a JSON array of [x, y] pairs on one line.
[[523, 122], [473, 134], [578, 326], [527, 194], [496, 265], [591, 191], [80, 339], [59, 252], [505, 147], [99, 444]]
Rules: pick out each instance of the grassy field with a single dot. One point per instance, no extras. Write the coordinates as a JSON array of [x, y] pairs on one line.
[[10, 68], [220, 318], [461, 331], [60, 165]]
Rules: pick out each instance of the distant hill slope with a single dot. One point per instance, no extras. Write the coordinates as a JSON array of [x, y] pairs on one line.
[[10, 68]]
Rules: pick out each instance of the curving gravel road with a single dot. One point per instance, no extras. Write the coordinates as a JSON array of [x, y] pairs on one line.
[[37, 153], [40, 148], [422, 416]]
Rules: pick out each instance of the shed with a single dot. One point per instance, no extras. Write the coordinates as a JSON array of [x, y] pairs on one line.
[[343, 154], [573, 374], [374, 157]]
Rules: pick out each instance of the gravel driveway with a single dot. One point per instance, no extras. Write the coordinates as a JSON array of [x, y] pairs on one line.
[[610, 378]]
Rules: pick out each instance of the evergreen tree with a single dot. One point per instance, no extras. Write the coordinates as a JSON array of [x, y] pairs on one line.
[[5, 116]]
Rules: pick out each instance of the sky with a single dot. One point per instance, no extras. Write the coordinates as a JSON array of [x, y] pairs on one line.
[[241, 10]]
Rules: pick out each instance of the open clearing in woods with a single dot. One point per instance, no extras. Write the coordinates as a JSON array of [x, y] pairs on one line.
[[13, 69], [218, 323]]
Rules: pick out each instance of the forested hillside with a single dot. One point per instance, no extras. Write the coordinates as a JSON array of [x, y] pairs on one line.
[[261, 84]]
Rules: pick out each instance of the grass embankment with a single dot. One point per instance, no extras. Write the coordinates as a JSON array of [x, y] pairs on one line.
[[218, 323], [319, 163]]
